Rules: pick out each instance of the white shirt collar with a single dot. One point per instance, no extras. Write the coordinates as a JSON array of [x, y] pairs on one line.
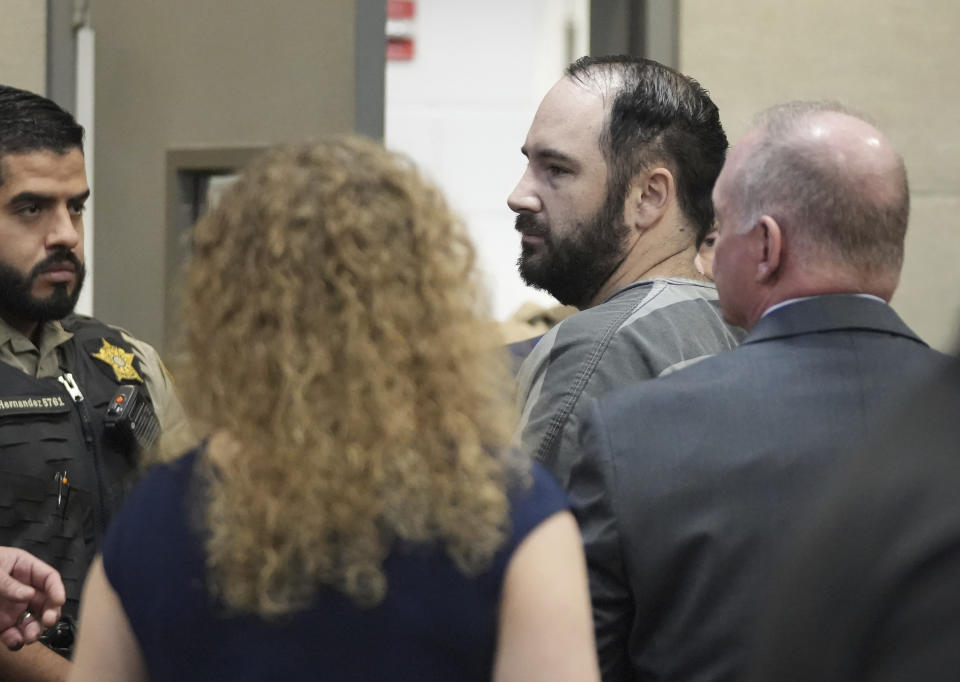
[[790, 301]]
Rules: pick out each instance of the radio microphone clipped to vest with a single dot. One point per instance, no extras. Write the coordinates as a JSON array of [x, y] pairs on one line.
[[130, 418]]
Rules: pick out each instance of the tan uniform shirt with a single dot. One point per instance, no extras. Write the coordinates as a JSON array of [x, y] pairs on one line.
[[45, 361]]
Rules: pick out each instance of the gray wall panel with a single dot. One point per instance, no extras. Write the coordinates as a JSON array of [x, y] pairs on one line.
[[217, 74]]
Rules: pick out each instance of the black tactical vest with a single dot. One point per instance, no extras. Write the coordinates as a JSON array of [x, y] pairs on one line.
[[62, 475]]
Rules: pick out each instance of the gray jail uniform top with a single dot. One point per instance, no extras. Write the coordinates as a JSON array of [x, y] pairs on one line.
[[643, 331]]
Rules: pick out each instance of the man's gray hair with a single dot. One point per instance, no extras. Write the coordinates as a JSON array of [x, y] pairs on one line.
[[829, 207]]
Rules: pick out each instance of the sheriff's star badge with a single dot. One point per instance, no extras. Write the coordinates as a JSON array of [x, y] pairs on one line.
[[119, 360]]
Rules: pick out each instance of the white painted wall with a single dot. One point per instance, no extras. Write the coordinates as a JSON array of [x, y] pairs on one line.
[[85, 116], [462, 106]]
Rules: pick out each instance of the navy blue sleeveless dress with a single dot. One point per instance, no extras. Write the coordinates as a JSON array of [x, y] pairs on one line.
[[434, 624]]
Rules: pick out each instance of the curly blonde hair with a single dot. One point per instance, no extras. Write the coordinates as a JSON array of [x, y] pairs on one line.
[[336, 344]]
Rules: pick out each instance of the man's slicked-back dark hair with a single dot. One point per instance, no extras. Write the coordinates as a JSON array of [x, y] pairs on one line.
[[658, 116], [31, 123]]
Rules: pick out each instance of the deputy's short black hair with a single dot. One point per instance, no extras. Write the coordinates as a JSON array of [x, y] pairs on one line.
[[31, 123]]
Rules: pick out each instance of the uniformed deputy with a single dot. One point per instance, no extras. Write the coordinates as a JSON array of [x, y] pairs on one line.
[[78, 399]]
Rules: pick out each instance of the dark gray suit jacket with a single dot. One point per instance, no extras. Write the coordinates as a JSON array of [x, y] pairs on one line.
[[870, 590], [687, 485]]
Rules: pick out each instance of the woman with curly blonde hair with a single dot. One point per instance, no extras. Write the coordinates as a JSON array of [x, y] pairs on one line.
[[356, 511]]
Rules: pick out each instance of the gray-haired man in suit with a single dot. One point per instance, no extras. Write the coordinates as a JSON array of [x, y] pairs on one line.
[[687, 486]]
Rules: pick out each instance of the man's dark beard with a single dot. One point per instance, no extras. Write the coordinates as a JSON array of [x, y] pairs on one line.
[[17, 301], [574, 267]]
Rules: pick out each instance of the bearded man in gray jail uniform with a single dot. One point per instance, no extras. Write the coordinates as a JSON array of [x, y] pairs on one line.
[[622, 156], [65, 462]]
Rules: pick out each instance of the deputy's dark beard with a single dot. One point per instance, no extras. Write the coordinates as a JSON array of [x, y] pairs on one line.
[[17, 301], [574, 267]]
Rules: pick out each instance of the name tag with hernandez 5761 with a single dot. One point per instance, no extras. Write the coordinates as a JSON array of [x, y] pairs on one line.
[[32, 404]]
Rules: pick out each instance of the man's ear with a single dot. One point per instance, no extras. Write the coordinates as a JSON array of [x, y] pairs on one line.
[[770, 242], [648, 197]]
